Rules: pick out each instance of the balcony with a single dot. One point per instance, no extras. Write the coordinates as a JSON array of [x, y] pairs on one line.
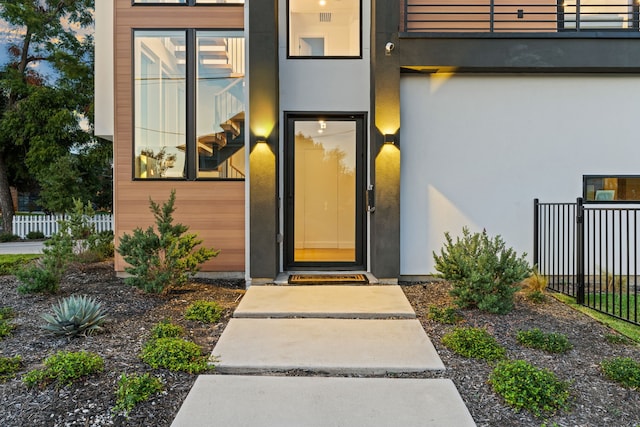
[[569, 18]]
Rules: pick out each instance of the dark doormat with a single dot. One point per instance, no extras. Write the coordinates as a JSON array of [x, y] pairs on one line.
[[327, 279]]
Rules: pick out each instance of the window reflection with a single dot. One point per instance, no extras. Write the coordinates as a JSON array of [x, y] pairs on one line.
[[611, 188]]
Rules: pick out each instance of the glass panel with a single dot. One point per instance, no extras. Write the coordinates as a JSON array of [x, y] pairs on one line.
[[324, 28], [325, 191], [218, 1], [612, 188], [220, 104], [160, 105], [598, 14]]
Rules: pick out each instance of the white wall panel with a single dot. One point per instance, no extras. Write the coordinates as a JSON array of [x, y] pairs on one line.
[[477, 149]]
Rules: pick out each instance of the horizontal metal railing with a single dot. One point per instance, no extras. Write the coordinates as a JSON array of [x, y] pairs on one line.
[[590, 253], [496, 16]]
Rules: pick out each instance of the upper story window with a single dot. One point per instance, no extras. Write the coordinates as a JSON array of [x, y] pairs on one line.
[[186, 2], [189, 104], [611, 188], [325, 28]]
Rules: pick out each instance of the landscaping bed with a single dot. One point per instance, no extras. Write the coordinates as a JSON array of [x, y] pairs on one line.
[[594, 400]]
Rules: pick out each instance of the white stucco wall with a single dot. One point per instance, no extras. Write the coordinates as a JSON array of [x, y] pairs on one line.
[[104, 69], [477, 149]]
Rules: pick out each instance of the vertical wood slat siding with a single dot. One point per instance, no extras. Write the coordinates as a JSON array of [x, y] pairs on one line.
[[212, 209]]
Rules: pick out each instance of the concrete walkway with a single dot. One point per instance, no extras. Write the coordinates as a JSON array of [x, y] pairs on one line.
[[326, 330]]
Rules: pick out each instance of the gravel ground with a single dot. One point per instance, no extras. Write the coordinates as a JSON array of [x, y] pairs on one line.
[[595, 401]]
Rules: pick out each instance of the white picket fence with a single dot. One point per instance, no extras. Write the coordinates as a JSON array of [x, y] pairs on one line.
[[48, 224]]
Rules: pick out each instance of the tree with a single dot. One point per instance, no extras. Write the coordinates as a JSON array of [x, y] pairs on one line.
[[41, 115]]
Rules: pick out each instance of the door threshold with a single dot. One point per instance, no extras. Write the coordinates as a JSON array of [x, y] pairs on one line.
[[283, 277]]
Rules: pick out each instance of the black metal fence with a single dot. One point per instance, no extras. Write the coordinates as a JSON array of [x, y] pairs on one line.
[[590, 253]]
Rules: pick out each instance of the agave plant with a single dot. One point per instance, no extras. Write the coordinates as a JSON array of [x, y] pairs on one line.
[[75, 315]]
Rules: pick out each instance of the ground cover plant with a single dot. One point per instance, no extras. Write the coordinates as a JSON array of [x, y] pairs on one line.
[[162, 258], [175, 354], [9, 264], [6, 327], [524, 386], [63, 368], [134, 389], [550, 342], [474, 342], [9, 366], [204, 311], [483, 271], [448, 315], [623, 370]]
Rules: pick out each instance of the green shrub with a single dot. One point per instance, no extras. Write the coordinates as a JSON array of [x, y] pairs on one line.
[[482, 271], [448, 315], [9, 366], [622, 370], [6, 313], [157, 261], [75, 315], [8, 237], [166, 329], [550, 342], [45, 273], [64, 367], [174, 354], [135, 389], [35, 235], [523, 386], [474, 342], [204, 311]]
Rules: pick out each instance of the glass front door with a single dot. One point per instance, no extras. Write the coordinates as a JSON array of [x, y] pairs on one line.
[[324, 215]]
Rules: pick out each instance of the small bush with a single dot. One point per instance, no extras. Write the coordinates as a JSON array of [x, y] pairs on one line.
[[8, 237], [44, 274], [448, 315], [135, 389], [523, 386], [10, 264], [482, 271], [166, 329], [622, 370], [63, 368], [6, 327], [75, 315], [167, 258], [474, 342], [551, 342], [175, 354], [9, 366], [35, 235], [204, 311]]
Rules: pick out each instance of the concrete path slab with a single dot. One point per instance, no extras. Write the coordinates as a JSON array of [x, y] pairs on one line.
[[338, 301], [352, 346], [255, 401]]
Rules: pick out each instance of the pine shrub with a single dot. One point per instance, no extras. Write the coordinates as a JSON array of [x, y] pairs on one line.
[[164, 258], [484, 273]]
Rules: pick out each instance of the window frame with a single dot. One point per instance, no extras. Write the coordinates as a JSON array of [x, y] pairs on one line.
[[288, 35], [191, 153], [186, 3], [586, 200]]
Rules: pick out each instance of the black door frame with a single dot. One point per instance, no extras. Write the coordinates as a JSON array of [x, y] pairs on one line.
[[360, 119]]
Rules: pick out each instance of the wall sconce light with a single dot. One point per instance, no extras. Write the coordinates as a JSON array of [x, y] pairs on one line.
[[388, 48], [389, 138], [261, 139]]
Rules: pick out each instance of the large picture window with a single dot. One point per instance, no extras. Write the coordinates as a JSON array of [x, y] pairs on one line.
[[187, 2], [324, 28], [189, 105]]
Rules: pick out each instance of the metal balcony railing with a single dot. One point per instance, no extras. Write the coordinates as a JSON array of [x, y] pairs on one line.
[[504, 16]]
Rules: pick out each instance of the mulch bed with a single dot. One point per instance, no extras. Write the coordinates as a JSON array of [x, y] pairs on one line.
[[595, 401]]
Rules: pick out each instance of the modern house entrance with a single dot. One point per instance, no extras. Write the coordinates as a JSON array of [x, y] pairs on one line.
[[324, 215]]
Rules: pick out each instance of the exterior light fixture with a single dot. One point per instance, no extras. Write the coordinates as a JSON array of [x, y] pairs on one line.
[[261, 139], [389, 138]]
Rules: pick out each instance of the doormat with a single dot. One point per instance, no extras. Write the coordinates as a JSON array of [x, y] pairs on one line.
[[318, 279]]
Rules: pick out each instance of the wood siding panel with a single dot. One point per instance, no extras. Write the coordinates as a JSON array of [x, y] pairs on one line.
[[212, 209]]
